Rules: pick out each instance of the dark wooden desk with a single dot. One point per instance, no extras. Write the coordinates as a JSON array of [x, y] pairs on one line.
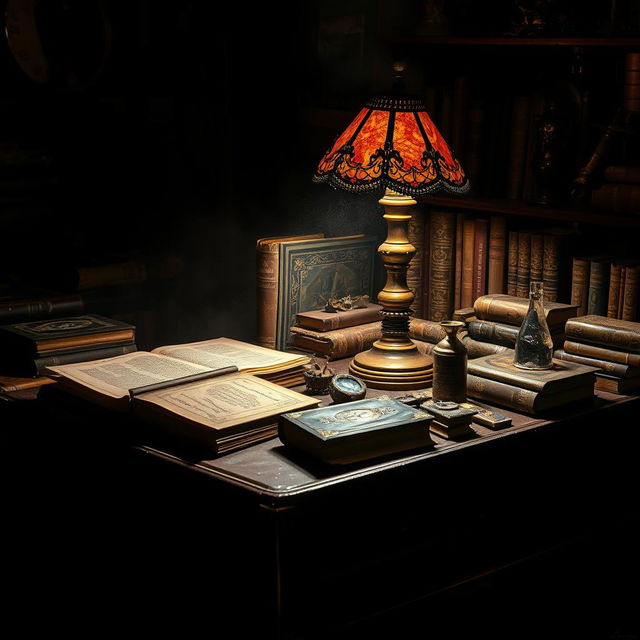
[[286, 548]]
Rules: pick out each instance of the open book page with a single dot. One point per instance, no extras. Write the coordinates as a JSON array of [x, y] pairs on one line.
[[224, 352], [235, 399], [115, 376]]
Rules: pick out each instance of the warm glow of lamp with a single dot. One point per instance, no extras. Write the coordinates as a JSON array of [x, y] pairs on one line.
[[393, 144]]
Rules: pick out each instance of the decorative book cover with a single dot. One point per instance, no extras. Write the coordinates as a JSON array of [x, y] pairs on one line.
[[524, 264], [466, 278], [480, 241], [580, 284], [311, 272], [537, 257], [609, 332], [443, 229], [497, 254], [598, 287], [512, 264], [338, 343], [355, 431], [512, 310], [327, 321], [551, 267], [64, 334], [415, 272]]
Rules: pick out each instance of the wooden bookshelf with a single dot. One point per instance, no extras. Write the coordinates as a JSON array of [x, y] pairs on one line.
[[518, 208], [515, 41]]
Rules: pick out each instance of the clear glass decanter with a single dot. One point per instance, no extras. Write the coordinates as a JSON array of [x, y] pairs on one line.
[[534, 346]]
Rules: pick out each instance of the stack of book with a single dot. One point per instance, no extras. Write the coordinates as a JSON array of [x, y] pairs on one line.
[[28, 348], [611, 345], [337, 335], [496, 380], [498, 318]]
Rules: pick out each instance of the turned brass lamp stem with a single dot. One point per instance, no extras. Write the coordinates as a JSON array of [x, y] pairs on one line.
[[394, 361]]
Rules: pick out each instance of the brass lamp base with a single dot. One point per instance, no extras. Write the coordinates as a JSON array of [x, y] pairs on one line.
[[393, 365]]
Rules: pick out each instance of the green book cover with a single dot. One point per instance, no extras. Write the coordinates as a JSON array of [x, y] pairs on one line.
[[312, 272]]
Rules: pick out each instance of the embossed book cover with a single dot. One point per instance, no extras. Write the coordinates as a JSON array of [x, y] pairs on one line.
[[314, 271], [355, 431]]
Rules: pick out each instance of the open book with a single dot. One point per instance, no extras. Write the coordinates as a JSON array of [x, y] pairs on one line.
[[203, 391]]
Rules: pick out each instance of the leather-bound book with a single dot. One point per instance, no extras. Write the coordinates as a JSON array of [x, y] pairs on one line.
[[457, 286], [477, 349], [36, 305], [524, 264], [601, 353], [267, 262], [630, 297], [621, 287], [613, 301], [497, 254], [339, 343], [328, 321], [612, 384], [609, 332], [512, 310], [443, 228], [512, 264], [426, 330], [480, 242], [580, 284], [551, 267], [617, 198], [415, 271], [466, 293], [628, 174], [598, 287], [613, 368], [536, 257], [504, 334]]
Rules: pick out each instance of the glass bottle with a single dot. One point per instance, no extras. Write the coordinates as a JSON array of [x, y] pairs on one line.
[[534, 346], [450, 365]]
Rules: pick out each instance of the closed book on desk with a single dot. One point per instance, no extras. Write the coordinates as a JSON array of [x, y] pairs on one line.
[[613, 384], [602, 353], [355, 431], [512, 310], [561, 377], [612, 333], [606, 366], [203, 393], [504, 334], [339, 343], [61, 335], [36, 305], [327, 321]]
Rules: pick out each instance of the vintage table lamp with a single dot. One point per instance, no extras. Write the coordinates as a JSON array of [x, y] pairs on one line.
[[393, 144]]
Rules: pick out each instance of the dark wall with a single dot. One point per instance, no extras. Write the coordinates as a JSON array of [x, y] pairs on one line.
[[176, 146]]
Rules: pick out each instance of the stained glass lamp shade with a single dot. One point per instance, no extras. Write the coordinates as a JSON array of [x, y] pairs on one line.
[[392, 144]]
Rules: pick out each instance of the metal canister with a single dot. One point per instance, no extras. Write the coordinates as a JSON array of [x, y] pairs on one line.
[[450, 365]]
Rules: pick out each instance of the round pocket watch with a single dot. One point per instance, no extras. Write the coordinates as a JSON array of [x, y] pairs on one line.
[[345, 388]]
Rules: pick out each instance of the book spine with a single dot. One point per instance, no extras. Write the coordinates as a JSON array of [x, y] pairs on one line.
[[339, 344], [512, 264], [443, 229], [600, 353], [627, 174], [613, 300], [550, 267], [598, 288], [493, 332], [267, 294], [40, 364], [630, 298], [621, 286], [631, 95], [457, 287], [426, 330], [617, 198], [536, 257], [580, 284], [340, 320], [415, 271], [614, 368], [614, 337], [477, 349], [497, 254], [524, 264], [466, 292], [493, 391], [27, 310], [480, 257]]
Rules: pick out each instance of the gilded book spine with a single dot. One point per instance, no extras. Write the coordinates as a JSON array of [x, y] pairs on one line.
[[537, 257], [601, 353], [512, 264], [466, 294], [615, 334], [580, 284], [457, 287], [550, 267], [480, 257], [631, 286], [497, 251], [443, 227], [267, 294], [524, 264], [426, 330], [614, 368], [614, 291], [415, 272]]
